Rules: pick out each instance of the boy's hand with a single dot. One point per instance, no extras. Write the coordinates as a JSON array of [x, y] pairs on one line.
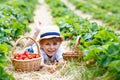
[[37, 25], [59, 65], [56, 62], [51, 69]]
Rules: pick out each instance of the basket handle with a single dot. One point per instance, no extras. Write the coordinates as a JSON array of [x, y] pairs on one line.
[[23, 38], [77, 43]]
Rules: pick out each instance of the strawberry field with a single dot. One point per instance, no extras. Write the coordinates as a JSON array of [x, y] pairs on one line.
[[100, 44]]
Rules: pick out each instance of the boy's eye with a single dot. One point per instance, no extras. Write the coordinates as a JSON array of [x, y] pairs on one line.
[[47, 44], [54, 43]]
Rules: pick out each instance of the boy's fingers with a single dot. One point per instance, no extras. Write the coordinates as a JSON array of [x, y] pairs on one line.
[[56, 62], [37, 24], [51, 69]]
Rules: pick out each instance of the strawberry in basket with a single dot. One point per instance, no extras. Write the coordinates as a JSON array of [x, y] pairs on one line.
[[25, 55]]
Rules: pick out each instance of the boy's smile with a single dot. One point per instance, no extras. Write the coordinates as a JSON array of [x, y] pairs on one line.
[[50, 47]]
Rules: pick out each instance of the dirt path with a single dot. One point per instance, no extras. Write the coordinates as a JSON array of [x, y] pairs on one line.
[[84, 15], [42, 14], [80, 13]]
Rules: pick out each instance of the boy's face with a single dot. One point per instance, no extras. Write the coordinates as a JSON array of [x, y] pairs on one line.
[[50, 46]]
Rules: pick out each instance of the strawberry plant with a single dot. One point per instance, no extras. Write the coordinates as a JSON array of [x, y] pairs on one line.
[[107, 11], [14, 18], [95, 40], [3, 63]]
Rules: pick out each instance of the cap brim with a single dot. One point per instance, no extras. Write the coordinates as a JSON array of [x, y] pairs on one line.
[[47, 37]]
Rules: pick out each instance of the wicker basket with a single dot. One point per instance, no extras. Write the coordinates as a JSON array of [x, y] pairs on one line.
[[72, 55], [26, 65], [75, 54]]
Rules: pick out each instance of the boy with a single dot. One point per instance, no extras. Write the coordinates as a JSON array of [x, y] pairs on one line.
[[50, 47]]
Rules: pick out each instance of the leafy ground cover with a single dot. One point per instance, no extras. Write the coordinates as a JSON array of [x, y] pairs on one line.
[[104, 10], [101, 46], [97, 42], [14, 18]]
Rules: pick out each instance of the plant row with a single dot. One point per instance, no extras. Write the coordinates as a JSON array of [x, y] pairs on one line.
[[98, 10], [109, 5], [99, 44], [14, 18]]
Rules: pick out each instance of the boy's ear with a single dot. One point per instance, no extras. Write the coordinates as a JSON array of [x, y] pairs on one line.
[[41, 46]]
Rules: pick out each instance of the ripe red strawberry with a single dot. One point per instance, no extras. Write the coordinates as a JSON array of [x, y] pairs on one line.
[[18, 58], [23, 57], [33, 55], [26, 53], [19, 55], [30, 56], [37, 56]]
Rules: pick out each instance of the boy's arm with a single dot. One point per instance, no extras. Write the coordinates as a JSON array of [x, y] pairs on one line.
[[37, 28], [30, 42]]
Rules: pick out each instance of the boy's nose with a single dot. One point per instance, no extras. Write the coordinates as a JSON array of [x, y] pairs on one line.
[[51, 46]]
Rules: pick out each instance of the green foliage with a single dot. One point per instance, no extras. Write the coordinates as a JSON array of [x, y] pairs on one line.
[[105, 10], [4, 75], [14, 18], [97, 42], [3, 63], [115, 65], [105, 57]]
